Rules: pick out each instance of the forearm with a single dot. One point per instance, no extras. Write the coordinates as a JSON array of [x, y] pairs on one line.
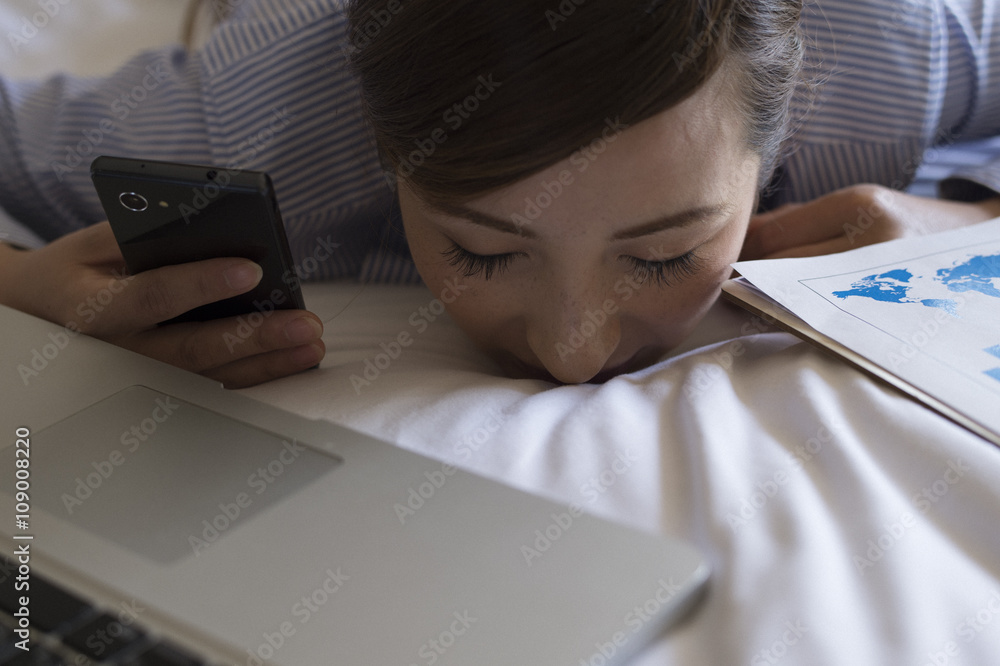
[[51, 130], [927, 216], [855, 216]]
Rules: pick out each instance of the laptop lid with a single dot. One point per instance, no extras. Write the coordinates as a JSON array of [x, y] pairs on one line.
[[251, 535]]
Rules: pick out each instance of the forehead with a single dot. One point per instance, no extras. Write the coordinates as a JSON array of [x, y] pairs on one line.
[[689, 155]]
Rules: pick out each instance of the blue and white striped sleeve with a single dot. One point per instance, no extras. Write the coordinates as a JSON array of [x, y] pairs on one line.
[[51, 130], [976, 26], [978, 177], [886, 81], [269, 91], [15, 233]]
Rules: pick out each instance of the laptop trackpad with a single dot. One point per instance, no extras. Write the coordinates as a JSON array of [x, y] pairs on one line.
[[163, 477]]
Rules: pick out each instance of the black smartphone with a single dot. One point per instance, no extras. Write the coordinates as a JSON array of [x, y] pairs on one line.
[[165, 213]]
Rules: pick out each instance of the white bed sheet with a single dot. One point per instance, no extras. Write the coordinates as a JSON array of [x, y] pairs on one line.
[[845, 523]]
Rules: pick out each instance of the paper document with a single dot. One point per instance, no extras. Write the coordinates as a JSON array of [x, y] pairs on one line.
[[924, 310]]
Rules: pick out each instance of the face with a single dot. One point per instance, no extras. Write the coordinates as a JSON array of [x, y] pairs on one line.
[[605, 261]]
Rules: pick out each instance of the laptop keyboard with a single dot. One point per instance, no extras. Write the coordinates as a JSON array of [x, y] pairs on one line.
[[67, 631]]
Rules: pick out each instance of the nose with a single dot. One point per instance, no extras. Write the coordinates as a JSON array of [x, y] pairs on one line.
[[574, 338]]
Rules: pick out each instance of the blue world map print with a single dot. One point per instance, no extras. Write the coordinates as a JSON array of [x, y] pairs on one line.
[[994, 372], [976, 274], [944, 305]]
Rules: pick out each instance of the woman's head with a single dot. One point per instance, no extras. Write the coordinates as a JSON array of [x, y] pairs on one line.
[[585, 169]]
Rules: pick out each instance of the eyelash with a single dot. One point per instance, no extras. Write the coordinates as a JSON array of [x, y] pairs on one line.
[[473, 265], [665, 272]]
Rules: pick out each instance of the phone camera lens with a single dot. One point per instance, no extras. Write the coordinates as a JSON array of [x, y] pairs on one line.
[[133, 201]]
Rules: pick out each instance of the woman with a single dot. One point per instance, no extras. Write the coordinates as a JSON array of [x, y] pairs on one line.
[[581, 174]]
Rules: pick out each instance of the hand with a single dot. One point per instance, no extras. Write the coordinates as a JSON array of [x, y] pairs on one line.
[[79, 281], [855, 216]]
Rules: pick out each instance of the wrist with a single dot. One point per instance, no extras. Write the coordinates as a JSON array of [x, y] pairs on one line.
[[936, 215], [991, 206], [12, 258]]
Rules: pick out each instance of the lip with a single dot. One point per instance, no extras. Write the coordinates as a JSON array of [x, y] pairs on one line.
[[517, 369], [520, 369], [639, 360], [610, 373]]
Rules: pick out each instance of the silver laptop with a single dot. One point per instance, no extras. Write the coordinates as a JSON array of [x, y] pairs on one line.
[[150, 517]]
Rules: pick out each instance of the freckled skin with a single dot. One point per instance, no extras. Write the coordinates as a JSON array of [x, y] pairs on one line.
[[570, 307]]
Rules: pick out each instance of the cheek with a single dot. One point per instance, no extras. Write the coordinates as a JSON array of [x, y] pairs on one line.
[[487, 314], [665, 316], [669, 314], [478, 308]]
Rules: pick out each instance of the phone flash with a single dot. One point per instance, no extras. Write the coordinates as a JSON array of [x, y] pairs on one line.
[[164, 204]]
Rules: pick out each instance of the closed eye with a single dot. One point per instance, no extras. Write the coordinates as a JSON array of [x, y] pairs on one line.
[[667, 272], [474, 265]]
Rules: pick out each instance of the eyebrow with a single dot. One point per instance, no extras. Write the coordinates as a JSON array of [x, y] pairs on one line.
[[679, 220], [674, 220], [486, 220]]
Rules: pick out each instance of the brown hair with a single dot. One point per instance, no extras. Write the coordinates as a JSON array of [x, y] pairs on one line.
[[562, 69]]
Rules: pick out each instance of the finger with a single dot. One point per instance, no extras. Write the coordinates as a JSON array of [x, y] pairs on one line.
[[796, 227], [761, 228], [205, 346], [761, 219], [831, 246], [159, 294], [271, 365], [756, 243]]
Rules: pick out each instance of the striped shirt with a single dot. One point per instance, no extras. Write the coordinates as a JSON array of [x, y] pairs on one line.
[[885, 83]]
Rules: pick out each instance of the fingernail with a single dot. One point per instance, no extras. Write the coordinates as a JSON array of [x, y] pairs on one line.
[[303, 330], [243, 276], [307, 356]]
